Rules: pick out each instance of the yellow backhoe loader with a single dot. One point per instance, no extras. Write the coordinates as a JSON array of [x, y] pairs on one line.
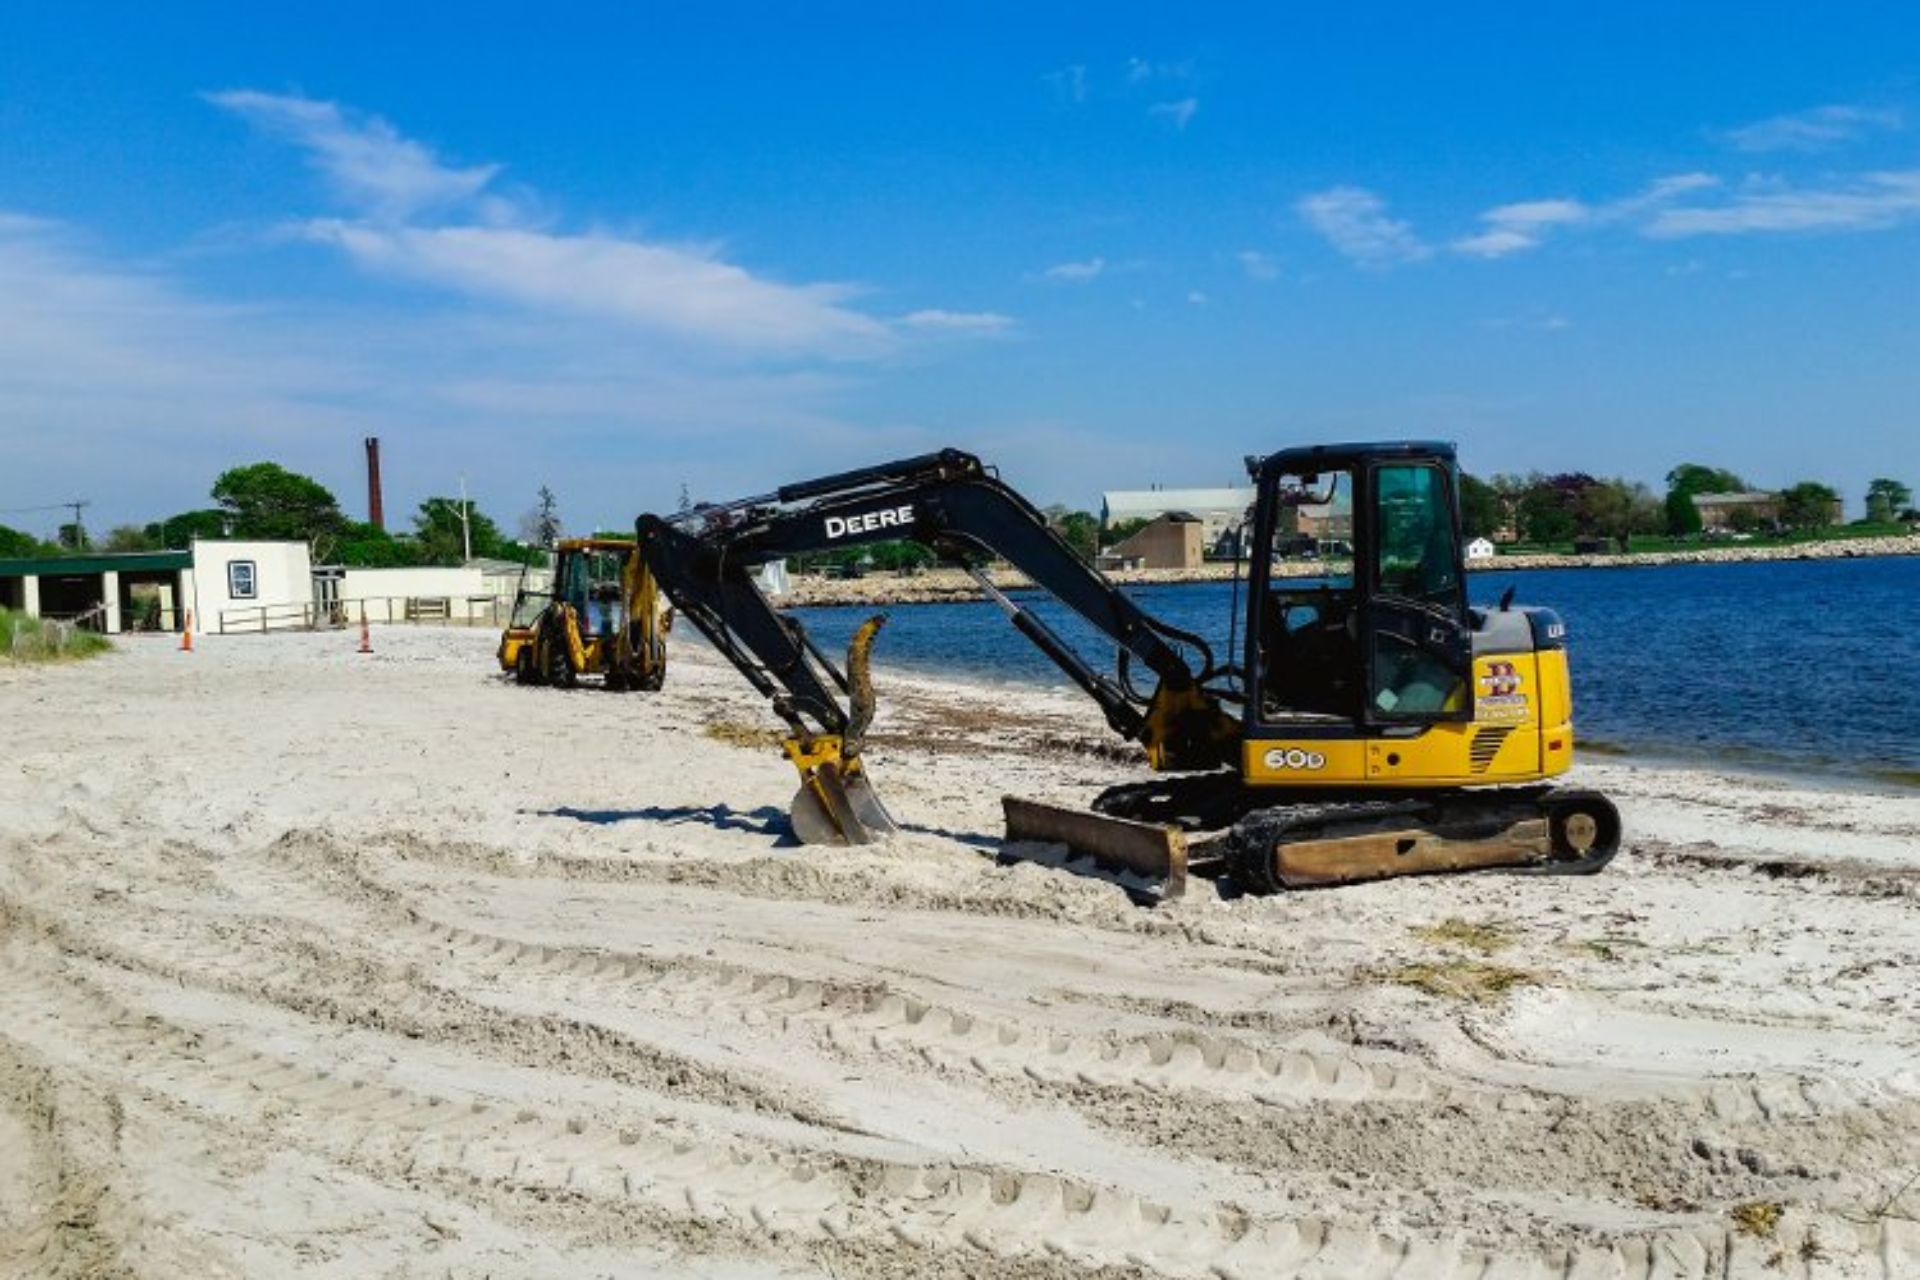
[[602, 617], [1367, 721]]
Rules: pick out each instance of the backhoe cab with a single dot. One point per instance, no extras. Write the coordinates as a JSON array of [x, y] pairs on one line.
[[600, 616], [1368, 723]]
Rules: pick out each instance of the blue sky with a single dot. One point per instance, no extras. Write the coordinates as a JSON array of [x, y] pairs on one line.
[[622, 249]]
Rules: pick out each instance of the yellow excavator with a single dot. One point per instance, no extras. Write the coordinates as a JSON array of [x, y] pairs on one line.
[[1366, 721], [602, 616]]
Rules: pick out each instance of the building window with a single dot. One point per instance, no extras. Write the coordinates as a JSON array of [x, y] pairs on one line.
[[240, 579]]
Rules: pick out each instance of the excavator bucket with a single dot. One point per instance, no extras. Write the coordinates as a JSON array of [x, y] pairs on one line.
[[836, 804], [833, 808]]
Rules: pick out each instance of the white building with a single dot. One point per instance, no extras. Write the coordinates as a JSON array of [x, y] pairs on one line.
[[220, 586]]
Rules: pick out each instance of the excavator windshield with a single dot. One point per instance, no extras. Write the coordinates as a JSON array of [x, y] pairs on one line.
[[1361, 610]]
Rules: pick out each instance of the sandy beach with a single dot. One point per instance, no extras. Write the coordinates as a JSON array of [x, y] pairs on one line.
[[316, 963]]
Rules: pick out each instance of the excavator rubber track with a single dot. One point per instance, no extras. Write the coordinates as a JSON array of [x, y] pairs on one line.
[[1538, 832]]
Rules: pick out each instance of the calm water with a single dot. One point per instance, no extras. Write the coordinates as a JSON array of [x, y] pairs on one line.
[[1801, 665]]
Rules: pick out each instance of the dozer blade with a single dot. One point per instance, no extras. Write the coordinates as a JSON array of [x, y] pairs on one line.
[[1115, 844], [834, 807]]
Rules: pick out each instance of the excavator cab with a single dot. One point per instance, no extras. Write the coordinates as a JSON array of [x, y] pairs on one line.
[[1364, 622]]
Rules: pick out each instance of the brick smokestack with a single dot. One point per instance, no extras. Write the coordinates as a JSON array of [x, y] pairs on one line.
[[375, 515]]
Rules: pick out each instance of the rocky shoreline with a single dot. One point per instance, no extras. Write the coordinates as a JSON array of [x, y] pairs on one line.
[[938, 586]]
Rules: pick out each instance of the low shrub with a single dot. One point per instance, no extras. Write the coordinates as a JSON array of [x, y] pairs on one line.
[[26, 639]]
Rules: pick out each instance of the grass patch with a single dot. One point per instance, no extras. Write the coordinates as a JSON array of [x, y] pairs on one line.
[[1608, 946], [1757, 1218], [1474, 981], [752, 736], [25, 639], [1485, 937]]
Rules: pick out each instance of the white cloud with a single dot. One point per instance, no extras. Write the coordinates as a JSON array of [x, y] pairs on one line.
[[682, 291], [1175, 113], [1354, 220], [1076, 272], [1512, 228], [1141, 71], [406, 201], [1525, 225], [1818, 129], [1257, 265], [1878, 201], [959, 321], [1069, 83], [371, 165]]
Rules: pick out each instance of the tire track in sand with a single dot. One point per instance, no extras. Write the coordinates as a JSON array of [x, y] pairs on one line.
[[771, 1194]]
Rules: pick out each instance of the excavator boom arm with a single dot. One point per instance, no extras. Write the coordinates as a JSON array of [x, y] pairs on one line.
[[948, 501]]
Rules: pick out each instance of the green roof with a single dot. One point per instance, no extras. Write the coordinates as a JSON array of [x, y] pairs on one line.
[[111, 562]]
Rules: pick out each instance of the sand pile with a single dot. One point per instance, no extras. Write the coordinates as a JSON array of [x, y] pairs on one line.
[[315, 963]]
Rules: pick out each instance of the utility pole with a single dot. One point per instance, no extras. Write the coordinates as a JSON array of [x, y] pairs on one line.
[[79, 530], [466, 528]]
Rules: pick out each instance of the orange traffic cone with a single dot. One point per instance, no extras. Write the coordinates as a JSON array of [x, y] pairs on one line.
[[366, 639], [186, 634]]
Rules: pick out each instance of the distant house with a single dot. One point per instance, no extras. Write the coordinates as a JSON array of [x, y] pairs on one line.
[[1723, 510], [1173, 541], [1220, 512], [1480, 549]]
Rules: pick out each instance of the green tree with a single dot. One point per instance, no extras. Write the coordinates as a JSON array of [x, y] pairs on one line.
[[1886, 499], [366, 547], [1808, 505], [1693, 477], [73, 537], [1120, 530], [900, 556], [265, 500], [1687, 480], [1080, 530], [178, 531], [1508, 489], [1618, 509], [1553, 508], [542, 525], [446, 526], [15, 545], [1682, 517], [130, 537], [1481, 514]]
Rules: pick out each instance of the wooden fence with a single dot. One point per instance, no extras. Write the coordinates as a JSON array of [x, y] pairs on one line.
[[444, 611]]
